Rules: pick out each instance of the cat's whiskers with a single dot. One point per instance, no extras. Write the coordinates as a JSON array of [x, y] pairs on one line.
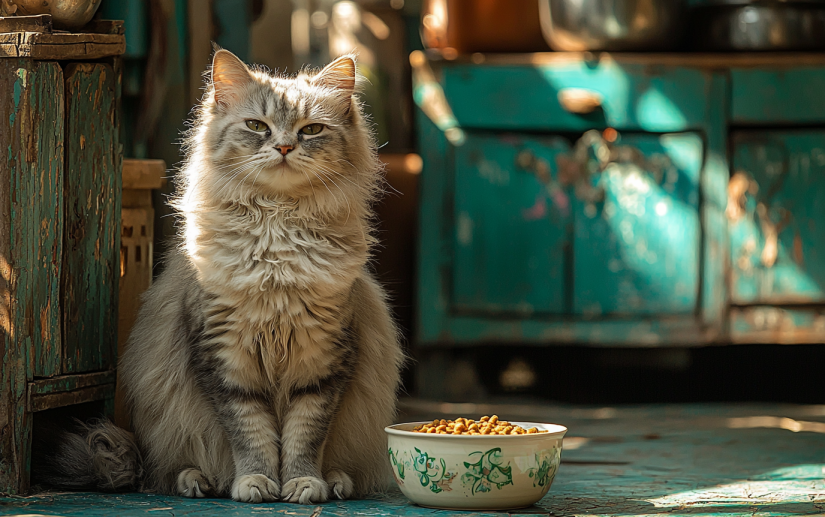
[[353, 167], [233, 165], [344, 194], [345, 161], [236, 164], [239, 184], [228, 177], [237, 172], [337, 173], [261, 167], [309, 180], [234, 173], [325, 185], [236, 161], [329, 173]]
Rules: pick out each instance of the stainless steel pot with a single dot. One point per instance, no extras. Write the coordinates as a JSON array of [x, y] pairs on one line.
[[759, 25], [579, 25], [66, 14]]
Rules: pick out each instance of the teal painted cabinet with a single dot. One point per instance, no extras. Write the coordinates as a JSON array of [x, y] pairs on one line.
[[777, 232], [512, 241], [526, 243], [778, 222], [60, 180], [638, 200], [638, 251]]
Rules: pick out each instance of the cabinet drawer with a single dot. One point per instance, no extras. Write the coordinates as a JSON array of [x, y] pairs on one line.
[[510, 232], [634, 97], [776, 215], [638, 251], [777, 96], [526, 241]]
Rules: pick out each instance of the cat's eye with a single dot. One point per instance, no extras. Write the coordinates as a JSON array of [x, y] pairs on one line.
[[256, 125], [312, 129]]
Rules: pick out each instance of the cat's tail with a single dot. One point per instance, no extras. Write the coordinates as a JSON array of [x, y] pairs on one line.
[[96, 455]]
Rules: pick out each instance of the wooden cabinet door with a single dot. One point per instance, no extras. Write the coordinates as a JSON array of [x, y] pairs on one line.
[[91, 267], [511, 225], [776, 214], [638, 251], [31, 236]]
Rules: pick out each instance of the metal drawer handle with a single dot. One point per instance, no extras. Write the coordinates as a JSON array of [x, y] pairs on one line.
[[579, 100]]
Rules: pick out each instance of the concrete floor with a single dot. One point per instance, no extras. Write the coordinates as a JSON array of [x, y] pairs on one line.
[[701, 460]]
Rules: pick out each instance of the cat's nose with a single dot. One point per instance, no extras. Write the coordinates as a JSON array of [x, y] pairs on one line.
[[284, 149]]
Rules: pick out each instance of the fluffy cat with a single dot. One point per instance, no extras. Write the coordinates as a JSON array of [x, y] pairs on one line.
[[264, 363]]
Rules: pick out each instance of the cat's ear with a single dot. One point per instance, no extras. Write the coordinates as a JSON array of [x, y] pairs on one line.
[[340, 74], [229, 77]]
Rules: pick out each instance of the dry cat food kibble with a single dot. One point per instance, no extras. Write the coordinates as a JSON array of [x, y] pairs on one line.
[[485, 425]]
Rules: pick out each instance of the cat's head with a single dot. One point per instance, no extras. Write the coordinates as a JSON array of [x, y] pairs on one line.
[[272, 135]]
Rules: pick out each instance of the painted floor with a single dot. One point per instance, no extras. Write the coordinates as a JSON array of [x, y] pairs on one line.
[[699, 460]]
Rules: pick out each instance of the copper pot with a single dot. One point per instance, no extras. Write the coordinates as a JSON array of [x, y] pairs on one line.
[[468, 26], [66, 14]]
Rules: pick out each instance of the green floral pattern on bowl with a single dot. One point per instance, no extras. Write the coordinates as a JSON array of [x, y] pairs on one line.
[[487, 471], [545, 469], [399, 467], [484, 471], [432, 472]]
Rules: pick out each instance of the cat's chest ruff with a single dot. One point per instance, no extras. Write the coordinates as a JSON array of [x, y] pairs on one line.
[[260, 250]]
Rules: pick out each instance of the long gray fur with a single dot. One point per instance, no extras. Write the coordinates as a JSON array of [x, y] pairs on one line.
[[264, 363]]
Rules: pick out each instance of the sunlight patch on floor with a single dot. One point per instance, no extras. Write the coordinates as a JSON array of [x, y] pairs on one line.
[[776, 422], [799, 484]]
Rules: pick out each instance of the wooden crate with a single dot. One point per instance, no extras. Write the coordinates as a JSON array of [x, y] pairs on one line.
[[60, 187], [136, 242]]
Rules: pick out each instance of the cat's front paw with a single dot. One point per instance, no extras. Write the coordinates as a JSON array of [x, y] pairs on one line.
[[339, 483], [306, 490], [255, 488], [192, 483]]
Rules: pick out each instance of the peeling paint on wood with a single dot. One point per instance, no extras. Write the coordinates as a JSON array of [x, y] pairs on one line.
[[60, 46], [777, 218], [633, 97], [70, 398], [638, 252], [434, 225], [31, 217], [92, 199], [777, 325], [37, 174], [670, 110], [70, 382], [512, 231]]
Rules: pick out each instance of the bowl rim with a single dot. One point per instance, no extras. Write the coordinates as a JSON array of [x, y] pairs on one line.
[[554, 431]]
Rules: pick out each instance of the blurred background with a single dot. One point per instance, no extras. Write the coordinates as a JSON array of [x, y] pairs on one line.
[[585, 204], [594, 209]]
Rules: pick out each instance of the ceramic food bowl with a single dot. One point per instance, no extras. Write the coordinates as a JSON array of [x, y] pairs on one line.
[[463, 472]]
